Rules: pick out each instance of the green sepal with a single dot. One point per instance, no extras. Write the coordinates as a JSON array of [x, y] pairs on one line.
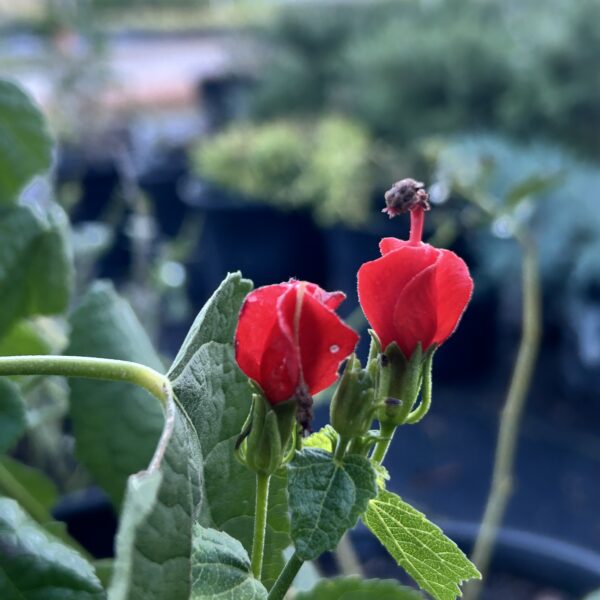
[[352, 407], [271, 428], [399, 383]]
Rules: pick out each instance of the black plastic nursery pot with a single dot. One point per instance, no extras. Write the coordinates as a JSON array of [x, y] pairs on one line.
[[267, 245]]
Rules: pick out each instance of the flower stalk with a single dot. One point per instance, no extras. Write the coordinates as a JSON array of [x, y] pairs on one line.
[[260, 523]]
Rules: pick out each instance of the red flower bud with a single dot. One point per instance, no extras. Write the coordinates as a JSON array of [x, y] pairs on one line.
[[414, 292], [290, 341]]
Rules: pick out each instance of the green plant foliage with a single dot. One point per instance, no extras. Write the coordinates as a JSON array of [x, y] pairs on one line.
[[154, 542], [24, 338], [35, 565], [221, 568], [25, 143], [323, 439], [35, 264], [34, 481], [354, 588], [326, 499], [434, 561], [217, 397], [13, 420], [291, 164], [116, 425]]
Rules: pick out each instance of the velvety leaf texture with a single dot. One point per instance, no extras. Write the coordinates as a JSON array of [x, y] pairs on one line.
[[326, 498], [221, 568], [433, 560], [25, 143], [354, 588], [154, 542], [36, 269], [34, 565], [217, 397], [116, 425], [12, 415]]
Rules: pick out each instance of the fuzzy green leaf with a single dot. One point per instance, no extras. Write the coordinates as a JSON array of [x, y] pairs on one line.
[[221, 568], [34, 565], [154, 542], [25, 143], [324, 439], [116, 425], [354, 588], [433, 560], [24, 338], [218, 398], [33, 480], [12, 415], [326, 498], [36, 269]]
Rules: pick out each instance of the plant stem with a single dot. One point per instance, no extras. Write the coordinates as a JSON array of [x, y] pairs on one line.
[[75, 366], [286, 578], [340, 449], [502, 478], [91, 368], [386, 432], [260, 523]]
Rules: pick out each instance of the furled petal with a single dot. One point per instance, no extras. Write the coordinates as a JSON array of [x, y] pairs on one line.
[[389, 244], [330, 299], [258, 316], [280, 367], [380, 283], [454, 289], [325, 341]]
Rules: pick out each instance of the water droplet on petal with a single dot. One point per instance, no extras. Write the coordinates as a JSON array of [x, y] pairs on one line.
[[334, 348]]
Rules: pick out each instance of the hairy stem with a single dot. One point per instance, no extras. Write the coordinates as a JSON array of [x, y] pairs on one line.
[[502, 478], [387, 433], [260, 523], [286, 578]]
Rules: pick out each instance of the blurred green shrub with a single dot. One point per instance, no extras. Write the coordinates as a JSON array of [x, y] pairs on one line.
[[325, 166], [407, 69]]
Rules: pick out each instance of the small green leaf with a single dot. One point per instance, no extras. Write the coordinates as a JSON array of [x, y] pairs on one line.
[[531, 187], [13, 422], [36, 271], [33, 480], [24, 338], [354, 588], [433, 560], [154, 542], [323, 439], [25, 143], [116, 425], [218, 398], [221, 568], [34, 565], [326, 498]]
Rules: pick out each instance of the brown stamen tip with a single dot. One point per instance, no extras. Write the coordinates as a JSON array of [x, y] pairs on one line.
[[406, 195]]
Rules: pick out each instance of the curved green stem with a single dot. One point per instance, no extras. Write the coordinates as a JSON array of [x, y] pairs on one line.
[[418, 413], [387, 433], [502, 478], [260, 523], [286, 578], [340, 449]]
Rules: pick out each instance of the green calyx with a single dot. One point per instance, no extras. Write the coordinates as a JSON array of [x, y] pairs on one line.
[[399, 383], [269, 439], [352, 408]]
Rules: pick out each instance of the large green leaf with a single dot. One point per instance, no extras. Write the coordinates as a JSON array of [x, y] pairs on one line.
[[354, 588], [13, 420], [116, 425], [34, 565], [35, 264], [217, 397], [433, 560], [326, 498], [154, 542], [221, 568], [25, 143]]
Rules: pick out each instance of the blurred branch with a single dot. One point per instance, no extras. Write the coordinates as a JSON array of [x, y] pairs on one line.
[[510, 422]]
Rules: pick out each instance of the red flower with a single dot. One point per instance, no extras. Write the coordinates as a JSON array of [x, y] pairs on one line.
[[414, 292], [289, 339]]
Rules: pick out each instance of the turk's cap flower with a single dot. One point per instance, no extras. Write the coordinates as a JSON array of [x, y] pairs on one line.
[[290, 341]]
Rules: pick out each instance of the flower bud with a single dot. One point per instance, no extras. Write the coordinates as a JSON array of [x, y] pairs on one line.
[[352, 407], [400, 382], [269, 436]]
